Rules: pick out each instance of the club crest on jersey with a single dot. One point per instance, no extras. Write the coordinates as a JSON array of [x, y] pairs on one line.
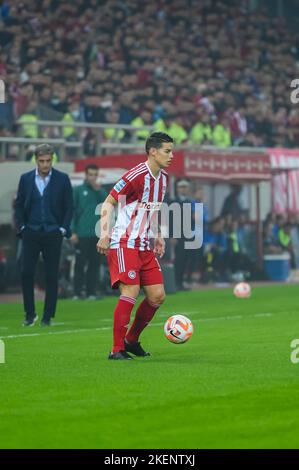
[[132, 274], [120, 185]]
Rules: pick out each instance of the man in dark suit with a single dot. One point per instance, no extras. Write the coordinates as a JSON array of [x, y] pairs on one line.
[[43, 212]]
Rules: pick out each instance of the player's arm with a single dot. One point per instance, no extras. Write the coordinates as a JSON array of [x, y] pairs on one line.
[[159, 243], [106, 212], [159, 248]]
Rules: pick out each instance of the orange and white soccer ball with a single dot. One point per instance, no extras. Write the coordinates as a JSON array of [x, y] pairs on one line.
[[242, 290], [178, 329]]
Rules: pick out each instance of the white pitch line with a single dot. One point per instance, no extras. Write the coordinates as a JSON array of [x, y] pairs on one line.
[[83, 330]]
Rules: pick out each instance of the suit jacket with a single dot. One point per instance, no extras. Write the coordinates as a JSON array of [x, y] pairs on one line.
[[61, 199]]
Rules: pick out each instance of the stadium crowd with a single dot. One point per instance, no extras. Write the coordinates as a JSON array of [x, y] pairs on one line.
[[229, 250], [208, 72]]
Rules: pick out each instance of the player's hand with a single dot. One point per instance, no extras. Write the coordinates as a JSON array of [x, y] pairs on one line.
[[159, 248], [103, 245]]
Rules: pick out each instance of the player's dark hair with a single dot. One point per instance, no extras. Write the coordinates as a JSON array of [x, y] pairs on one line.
[[92, 166], [156, 140], [43, 149]]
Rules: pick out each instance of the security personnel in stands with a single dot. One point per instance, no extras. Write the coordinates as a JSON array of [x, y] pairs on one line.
[[221, 134], [172, 125], [28, 128], [73, 115], [201, 132], [145, 119], [111, 133], [285, 241]]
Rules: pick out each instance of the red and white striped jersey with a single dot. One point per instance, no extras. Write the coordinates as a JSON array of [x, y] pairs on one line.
[[137, 192]]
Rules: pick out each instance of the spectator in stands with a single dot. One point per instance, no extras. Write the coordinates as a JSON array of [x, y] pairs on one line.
[[236, 261], [89, 144], [73, 114], [110, 133], [215, 245], [28, 128], [201, 132], [144, 119], [174, 127], [220, 59], [221, 135], [231, 205], [92, 111], [238, 126], [285, 241], [271, 243]]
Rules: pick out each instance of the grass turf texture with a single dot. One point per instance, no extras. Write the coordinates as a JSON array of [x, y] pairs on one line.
[[231, 386]]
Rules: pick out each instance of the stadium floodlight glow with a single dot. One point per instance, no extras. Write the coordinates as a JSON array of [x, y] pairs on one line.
[[2, 91]]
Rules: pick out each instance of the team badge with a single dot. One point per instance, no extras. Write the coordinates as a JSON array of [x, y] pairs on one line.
[[132, 274]]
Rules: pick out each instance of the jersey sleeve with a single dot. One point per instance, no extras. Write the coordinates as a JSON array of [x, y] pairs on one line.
[[123, 187]]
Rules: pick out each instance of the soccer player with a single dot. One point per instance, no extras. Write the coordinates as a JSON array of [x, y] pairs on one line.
[[132, 261]]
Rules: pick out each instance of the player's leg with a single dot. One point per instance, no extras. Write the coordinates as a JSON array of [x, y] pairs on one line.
[[51, 250], [151, 279], [29, 257], [154, 297], [122, 314], [124, 272]]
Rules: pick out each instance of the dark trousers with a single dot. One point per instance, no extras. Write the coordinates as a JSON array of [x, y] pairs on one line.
[[182, 261], [49, 244], [87, 259]]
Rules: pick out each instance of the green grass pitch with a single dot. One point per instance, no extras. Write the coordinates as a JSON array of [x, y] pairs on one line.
[[232, 385]]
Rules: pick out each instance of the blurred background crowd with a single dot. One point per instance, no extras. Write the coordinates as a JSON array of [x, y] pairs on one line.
[[229, 250], [208, 72]]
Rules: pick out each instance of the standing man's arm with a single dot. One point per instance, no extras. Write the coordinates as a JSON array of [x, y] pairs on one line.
[[20, 207], [68, 207]]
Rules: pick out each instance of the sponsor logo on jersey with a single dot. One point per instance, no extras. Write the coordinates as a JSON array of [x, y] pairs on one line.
[[150, 206], [120, 185]]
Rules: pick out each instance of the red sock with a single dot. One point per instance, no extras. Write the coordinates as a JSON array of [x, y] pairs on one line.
[[144, 314], [122, 315]]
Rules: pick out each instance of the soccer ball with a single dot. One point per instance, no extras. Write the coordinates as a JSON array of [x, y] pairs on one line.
[[242, 290], [178, 329]]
